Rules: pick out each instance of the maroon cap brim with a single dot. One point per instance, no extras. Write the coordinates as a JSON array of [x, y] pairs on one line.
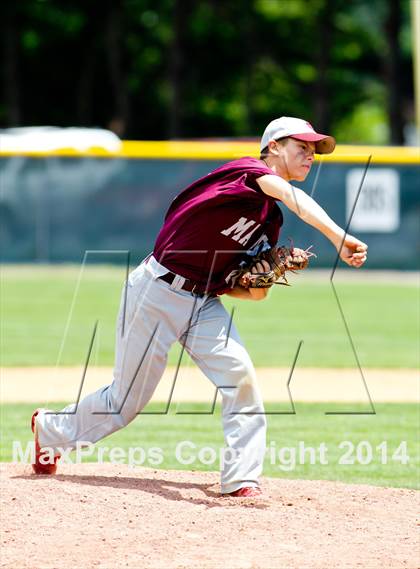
[[324, 144]]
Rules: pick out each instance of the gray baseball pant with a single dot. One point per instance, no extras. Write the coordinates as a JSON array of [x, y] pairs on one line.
[[154, 315]]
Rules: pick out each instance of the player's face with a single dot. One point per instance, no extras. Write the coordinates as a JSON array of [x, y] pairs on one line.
[[297, 157]]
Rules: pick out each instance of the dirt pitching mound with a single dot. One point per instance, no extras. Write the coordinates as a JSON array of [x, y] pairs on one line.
[[109, 516]]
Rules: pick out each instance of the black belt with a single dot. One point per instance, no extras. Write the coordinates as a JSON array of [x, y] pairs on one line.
[[188, 285]]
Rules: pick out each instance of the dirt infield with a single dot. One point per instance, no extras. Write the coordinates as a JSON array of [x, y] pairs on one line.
[[107, 516], [46, 384]]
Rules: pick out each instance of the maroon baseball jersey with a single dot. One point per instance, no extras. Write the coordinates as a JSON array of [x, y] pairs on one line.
[[214, 222]]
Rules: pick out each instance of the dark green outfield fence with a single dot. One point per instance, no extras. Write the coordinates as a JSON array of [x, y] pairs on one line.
[[55, 207]]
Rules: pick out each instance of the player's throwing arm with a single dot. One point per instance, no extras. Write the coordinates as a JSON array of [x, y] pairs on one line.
[[352, 251]]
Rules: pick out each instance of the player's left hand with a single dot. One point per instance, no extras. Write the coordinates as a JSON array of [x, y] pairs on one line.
[[353, 252]]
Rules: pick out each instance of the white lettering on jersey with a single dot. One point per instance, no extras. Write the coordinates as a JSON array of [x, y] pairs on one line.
[[239, 228], [245, 239]]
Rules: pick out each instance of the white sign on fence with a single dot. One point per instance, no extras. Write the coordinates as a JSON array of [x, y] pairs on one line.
[[378, 207]]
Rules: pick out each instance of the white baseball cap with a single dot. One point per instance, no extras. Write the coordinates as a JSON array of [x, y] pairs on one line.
[[299, 129]]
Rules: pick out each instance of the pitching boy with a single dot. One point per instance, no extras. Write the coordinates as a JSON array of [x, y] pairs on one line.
[[174, 295]]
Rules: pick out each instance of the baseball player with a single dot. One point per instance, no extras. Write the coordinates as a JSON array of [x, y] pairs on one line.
[[212, 243]]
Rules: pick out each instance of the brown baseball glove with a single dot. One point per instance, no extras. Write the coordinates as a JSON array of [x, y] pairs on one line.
[[270, 267]]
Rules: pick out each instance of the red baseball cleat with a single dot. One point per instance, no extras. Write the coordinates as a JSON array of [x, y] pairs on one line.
[[246, 492], [50, 466]]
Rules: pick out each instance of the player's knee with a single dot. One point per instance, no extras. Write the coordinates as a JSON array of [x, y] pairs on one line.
[[244, 371], [124, 418], [248, 382], [247, 390], [123, 413]]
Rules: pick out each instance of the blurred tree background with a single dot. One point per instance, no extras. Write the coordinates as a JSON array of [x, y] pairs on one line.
[[156, 69]]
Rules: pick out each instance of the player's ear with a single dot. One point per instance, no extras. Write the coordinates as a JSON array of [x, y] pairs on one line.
[[273, 148]]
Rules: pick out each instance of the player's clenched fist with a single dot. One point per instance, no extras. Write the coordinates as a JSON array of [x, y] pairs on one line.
[[353, 251]]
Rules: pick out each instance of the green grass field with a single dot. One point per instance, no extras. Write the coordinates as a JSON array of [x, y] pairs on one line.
[[392, 423], [383, 320]]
